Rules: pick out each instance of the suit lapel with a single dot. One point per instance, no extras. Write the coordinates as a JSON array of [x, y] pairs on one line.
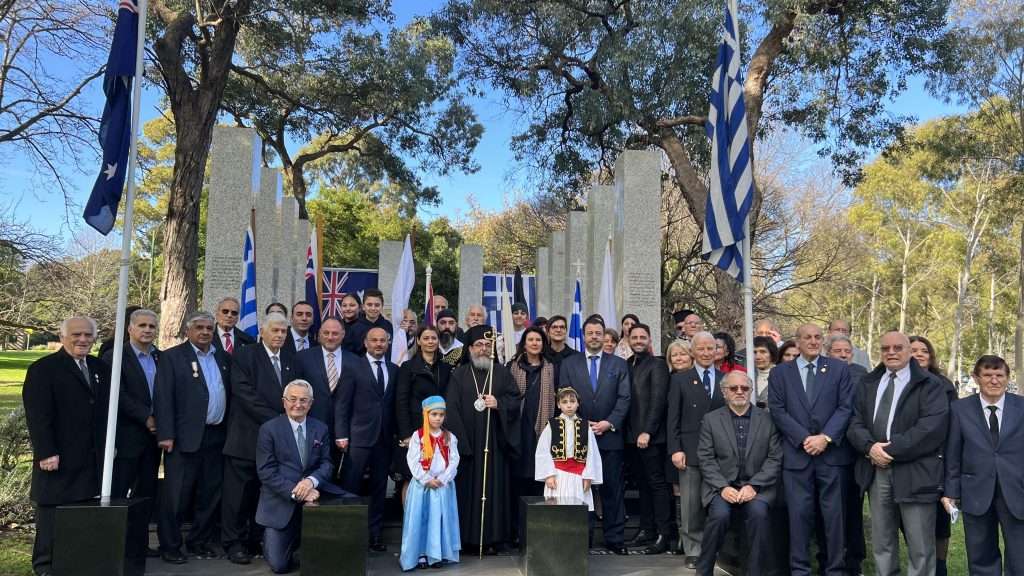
[[132, 361], [725, 421], [755, 426], [602, 371], [268, 366], [194, 367], [1011, 416], [821, 377], [796, 386]]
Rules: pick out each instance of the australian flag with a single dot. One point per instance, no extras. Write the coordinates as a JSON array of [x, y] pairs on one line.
[[116, 124]]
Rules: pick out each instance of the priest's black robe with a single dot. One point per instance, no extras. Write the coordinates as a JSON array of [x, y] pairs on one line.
[[470, 427]]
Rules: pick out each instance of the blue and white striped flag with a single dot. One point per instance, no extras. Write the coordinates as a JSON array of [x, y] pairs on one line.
[[247, 321], [576, 321], [732, 184]]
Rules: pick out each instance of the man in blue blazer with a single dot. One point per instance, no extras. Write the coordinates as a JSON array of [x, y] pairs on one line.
[[191, 400], [811, 401], [602, 382], [322, 366], [294, 466], [364, 426], [984, 452]]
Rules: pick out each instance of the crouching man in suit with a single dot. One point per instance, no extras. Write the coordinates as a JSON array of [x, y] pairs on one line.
[[740, 455], [293, 460]]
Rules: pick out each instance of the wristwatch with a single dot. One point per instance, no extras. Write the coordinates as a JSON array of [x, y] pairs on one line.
[[827, 438]]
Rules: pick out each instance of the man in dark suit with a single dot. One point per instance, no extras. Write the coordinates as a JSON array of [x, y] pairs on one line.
[[900, 417], [294, 465], [65, 396], [694, 393], [138, 456], [259, 372], [191, 395], [602, 382], [984, 451], [740, 456], [322, 366], [645, 441], [299, 335], [228, 336], [810, 401], [364, 426]]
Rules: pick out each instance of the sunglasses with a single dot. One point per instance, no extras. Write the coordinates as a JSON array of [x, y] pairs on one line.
[[738, 388], [229, 312], [894, 348]]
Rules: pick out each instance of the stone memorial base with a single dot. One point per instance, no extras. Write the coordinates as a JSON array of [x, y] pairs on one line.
[[93, 539], [335, 540], [733, 556], [554, 537]]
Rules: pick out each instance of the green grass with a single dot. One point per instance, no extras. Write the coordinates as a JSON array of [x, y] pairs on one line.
[[12, 375], [16, 553]]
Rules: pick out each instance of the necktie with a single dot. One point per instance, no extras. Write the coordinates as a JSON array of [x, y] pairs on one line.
[[303, 457], [332, 371], [302, 343], [707, 382], [277, 368], [593, 372], [228, 346], [809, 388], [85, 371], [380, 376], [880, 427], [993, 424]]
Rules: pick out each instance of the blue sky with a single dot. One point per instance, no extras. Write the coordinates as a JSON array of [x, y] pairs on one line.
[[42, 205]]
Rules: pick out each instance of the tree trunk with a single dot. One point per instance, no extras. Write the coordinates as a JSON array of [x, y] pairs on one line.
[[904, 284], [992, 315], [181, 240], [728, 304], [963, 281], [871, 316], [1018, 338]]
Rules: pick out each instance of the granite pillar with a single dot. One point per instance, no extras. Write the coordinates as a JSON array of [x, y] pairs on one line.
[[543, 283], [92, 539], [471, 278], [301, 248], [335, 538], [577, 260], [638, 184], [601, 207], [286, 252], [234, 179], [560, 300], [554, 537], [265, 235], [388, 259]]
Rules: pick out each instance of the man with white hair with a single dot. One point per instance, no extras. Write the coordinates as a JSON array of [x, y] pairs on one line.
[[65, 397], [229, 336], [190, 405], [258, 374]]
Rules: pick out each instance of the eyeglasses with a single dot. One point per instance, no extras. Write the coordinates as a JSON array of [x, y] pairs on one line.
[[743, 389], [892, 348], [299, 401], [229, 312], [556, 327]]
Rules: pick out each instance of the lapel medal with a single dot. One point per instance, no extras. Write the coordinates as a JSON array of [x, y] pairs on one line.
[[195, 370]]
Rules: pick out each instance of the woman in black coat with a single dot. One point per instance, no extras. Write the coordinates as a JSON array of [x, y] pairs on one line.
[[421, 376]]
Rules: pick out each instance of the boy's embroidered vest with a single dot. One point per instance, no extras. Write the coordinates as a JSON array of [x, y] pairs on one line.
[[440, 445], [562, 462]]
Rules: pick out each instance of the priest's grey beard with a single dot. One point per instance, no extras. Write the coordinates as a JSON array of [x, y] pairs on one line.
[[480, 362], [447, 338]]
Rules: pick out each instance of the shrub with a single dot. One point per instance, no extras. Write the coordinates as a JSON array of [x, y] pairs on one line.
[[16, 463]]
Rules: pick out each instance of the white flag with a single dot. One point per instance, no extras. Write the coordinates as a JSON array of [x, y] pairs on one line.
[[400, 294], [506, 319], [606, 300]]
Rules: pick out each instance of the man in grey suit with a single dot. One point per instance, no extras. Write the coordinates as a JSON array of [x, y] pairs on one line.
[[692, 394], [740, 457]]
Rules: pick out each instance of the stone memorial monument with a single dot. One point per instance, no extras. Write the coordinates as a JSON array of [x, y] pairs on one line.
[[471, 278], [543, 283]]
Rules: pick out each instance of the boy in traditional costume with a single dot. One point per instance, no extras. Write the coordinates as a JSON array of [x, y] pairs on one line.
[[567, 459], [430, 533]]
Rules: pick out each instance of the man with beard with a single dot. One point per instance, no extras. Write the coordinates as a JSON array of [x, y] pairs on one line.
[[482, 394], [449, 347], [645, 441]]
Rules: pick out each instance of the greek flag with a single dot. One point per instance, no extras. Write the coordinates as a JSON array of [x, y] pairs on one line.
[[247, 321], [732, 185], [576, 322]]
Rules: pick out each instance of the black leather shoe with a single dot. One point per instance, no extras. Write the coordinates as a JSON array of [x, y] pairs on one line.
[[659, 546], [152, 553], [238, 556], [678, 550], [436, 565], [377, 544], [690, 562], [201, 550], [617, 548], [422, 564], [173, 557], [642, 538]]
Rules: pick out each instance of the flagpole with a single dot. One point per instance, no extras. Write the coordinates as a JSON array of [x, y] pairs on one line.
[[126, 254], [748, 306]]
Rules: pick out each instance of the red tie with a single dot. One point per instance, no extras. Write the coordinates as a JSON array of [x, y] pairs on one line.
[[228, 346]]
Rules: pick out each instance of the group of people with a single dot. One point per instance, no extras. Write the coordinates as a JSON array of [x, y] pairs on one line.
[[258, 428]]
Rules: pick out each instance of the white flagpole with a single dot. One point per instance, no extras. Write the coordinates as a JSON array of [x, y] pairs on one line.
[[126, 255], [748, 307]]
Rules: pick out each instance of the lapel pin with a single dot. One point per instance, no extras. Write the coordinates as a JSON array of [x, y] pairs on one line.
[[195, 369], [824, 369]]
